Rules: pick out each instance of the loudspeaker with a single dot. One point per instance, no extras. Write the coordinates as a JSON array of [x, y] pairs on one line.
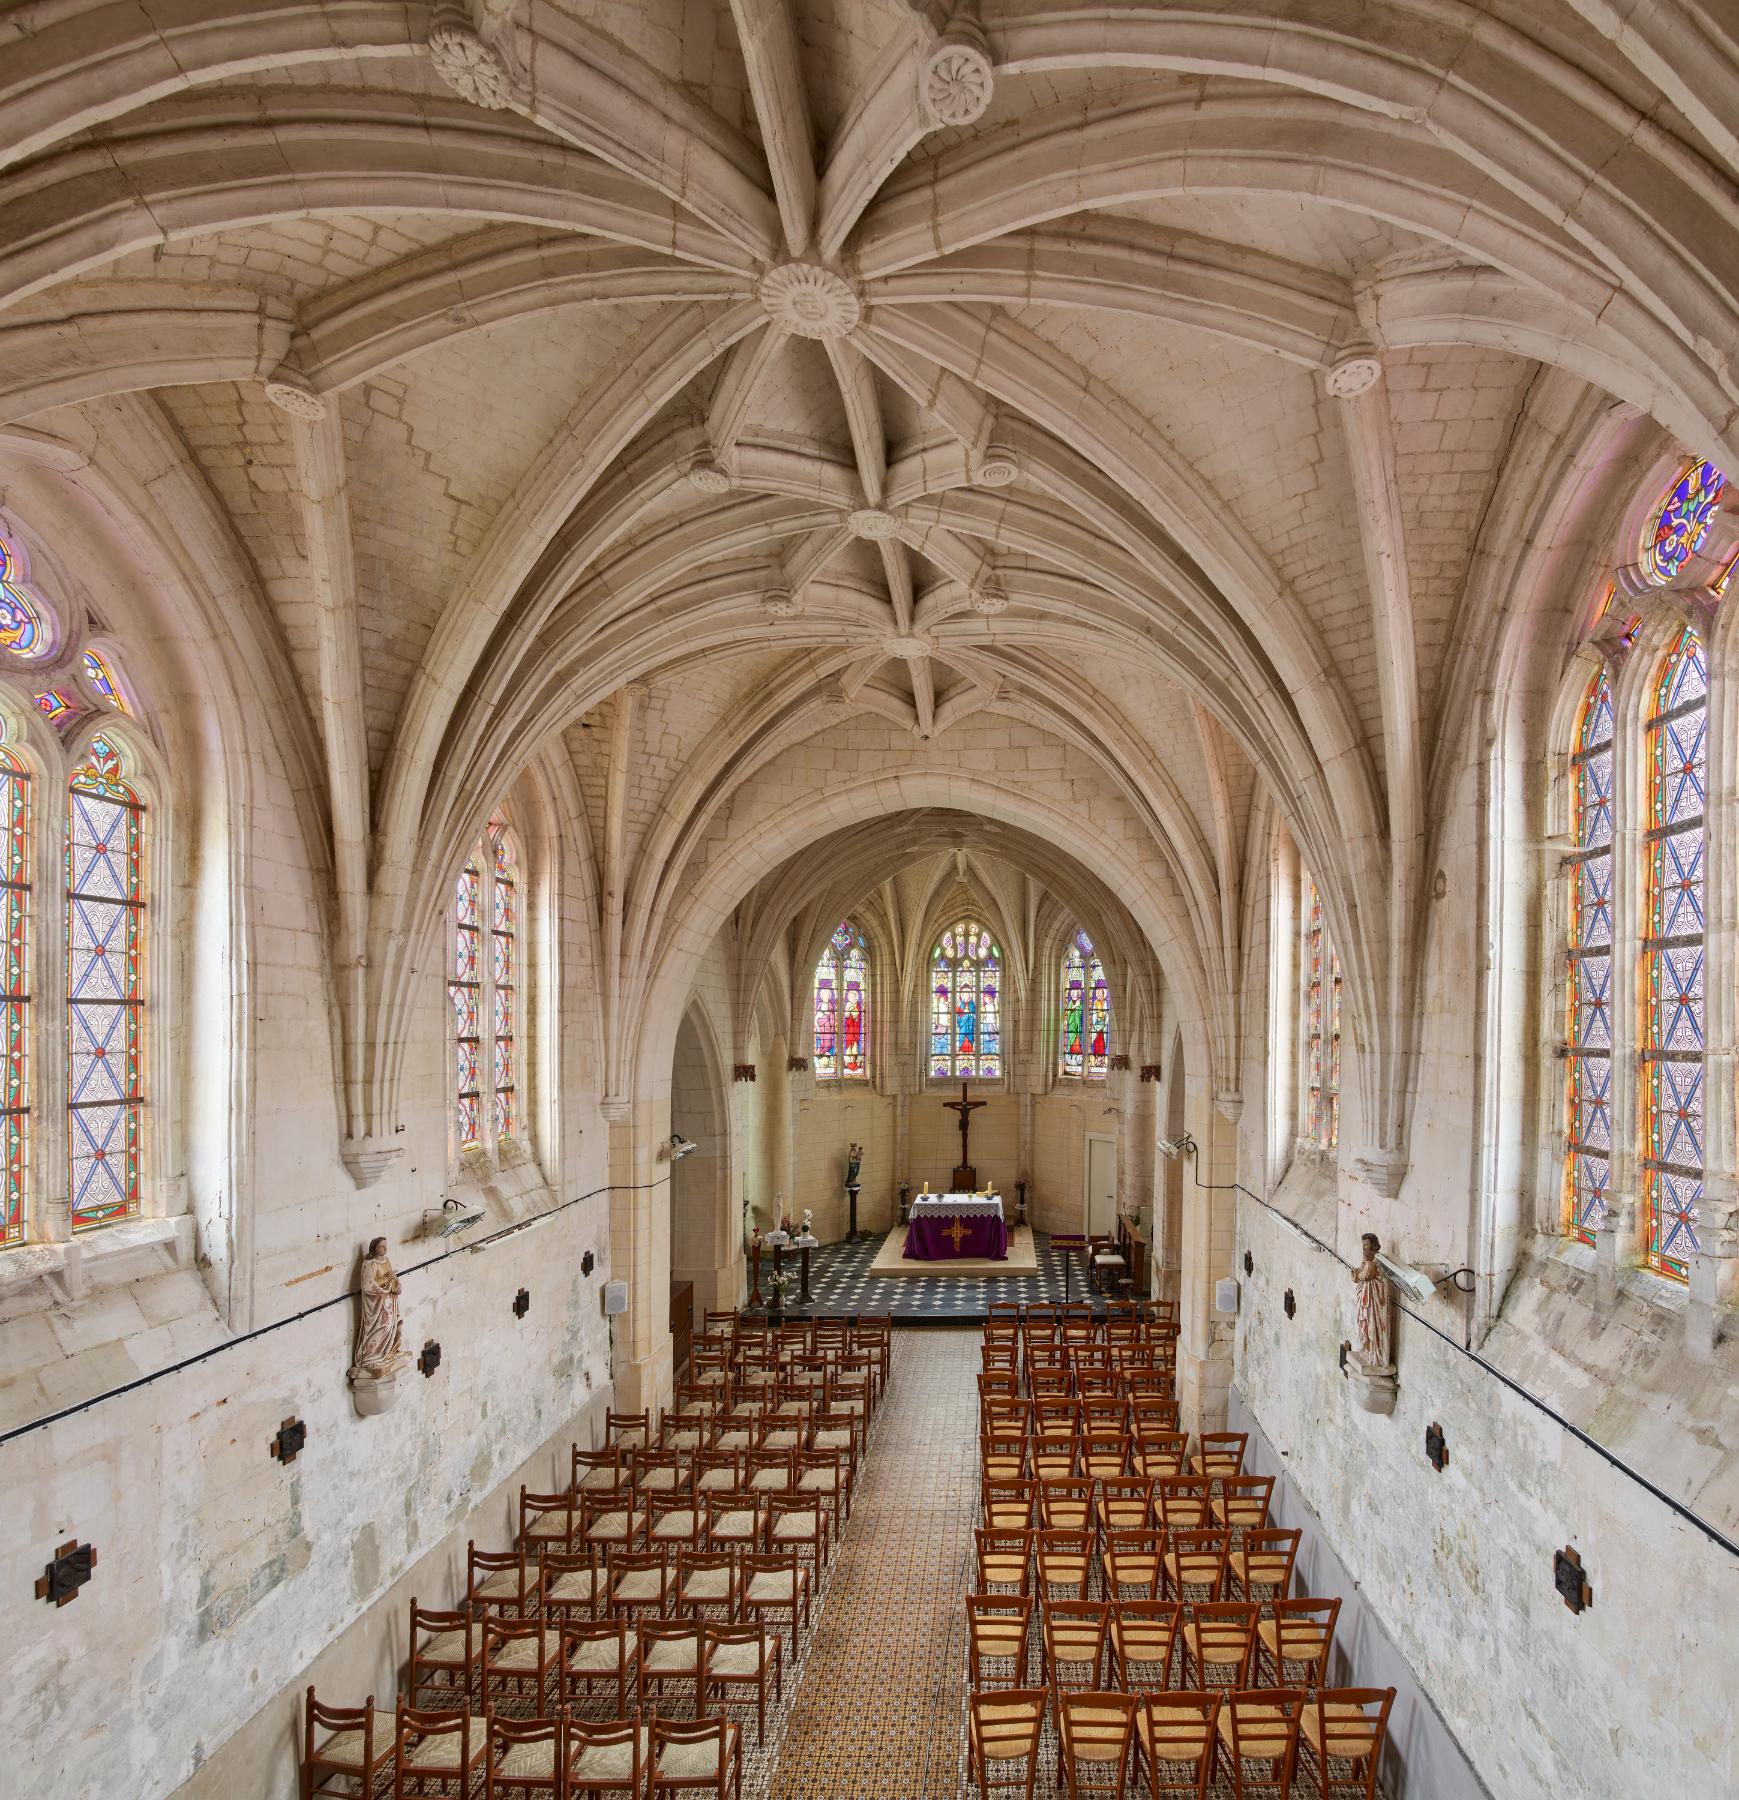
[[615, 1297], [1226, 1294]]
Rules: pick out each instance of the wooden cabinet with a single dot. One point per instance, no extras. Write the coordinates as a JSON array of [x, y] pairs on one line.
[[681, 1326]]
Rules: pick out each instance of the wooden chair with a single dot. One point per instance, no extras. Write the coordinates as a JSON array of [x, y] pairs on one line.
[[681, 1430], [1134, 1564], [1260, 1726], [1298, 1635], [1181, 1502], [1105, 1415], [1005, 1559], [733, 1520], [1002, 1457], [627, 1430], [1222, 1453], [1261, 1567], [1003, 1728], [836, 1431], [569, 1587], [1065, 1564], [1009, 1505], [675, 1523], [732, 1658], [1075, 1636], [1346, 1725], [444, 1648], [1219, 1645], [606, 1650], [716, 1470], [526, 1756], [772, 1582], [345, 1744], [498, 1582], [1066, 1505], [668, 1650], [689, 1758], [1177, 1739], [1057, 1418], [640, 1584], [827, 1473], [997, 1629], [1159, 1454], [798, 1522], [769, 1471], [612, 1522], [1125, 1504], [1094, 1732], [608, 1756], [1195, 1565], [548, 1521], [1106, 1458], [517, 1655], [707, 1578], [1243, 1501], [1057, 1458], [603, 1471], [433, 1751], [658, 1474], [1143, 1639]]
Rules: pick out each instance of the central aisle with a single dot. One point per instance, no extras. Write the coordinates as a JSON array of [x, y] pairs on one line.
[[879, 1714]]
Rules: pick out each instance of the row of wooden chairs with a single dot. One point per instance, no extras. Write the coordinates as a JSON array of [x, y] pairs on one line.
[[1181, 1741], [1139, 1562], [1114, 1502], [643, 1756], [1139, 1645]]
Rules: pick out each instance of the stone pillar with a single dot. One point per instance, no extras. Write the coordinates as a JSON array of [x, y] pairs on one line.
[[779, 1117], [1024, 1144], [640, 1349], [1204, 1357], [902, 1143], [1140, 1133]]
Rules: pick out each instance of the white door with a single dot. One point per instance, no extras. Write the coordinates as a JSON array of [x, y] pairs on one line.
[[1101, 1183]]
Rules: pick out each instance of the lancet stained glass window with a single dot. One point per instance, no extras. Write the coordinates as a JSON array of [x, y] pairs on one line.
[[1321, 1026], [504, 965], [1086, 1022], [105, 860], [1681, 521], [966, 1005], [1588, 1033], [483, 993], [15, 1000], [1671, 1098], [842, 1007]]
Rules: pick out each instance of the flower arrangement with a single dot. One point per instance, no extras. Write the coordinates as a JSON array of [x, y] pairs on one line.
[[777, 1284], [808, 1221]]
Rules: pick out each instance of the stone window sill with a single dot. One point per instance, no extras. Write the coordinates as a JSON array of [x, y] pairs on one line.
[[53, 1274]]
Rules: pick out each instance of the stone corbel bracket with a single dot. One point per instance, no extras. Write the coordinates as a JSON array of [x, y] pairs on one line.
[[369, 1158]]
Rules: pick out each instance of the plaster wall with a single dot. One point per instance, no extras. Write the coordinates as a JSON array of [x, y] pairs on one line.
[[222, 1573], [831, 1118], [1458, 1565]]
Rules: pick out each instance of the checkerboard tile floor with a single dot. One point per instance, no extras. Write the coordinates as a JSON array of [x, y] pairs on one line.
[[840, 1286]]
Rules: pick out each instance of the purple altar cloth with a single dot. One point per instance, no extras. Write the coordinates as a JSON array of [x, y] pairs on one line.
[[932, 1240]]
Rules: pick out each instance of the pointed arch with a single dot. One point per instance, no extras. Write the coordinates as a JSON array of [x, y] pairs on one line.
[[1084, 1040], [966, 1020], [842, 1007]]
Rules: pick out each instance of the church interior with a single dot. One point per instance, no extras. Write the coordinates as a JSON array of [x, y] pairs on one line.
[[814, 977]]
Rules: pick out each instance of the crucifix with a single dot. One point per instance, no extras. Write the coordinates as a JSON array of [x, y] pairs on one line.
[[965, 1177]]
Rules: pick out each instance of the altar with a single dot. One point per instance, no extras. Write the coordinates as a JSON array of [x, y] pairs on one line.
[[941, 1227]]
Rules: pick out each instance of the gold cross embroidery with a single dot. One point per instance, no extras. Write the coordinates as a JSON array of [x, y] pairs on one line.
[[957, 1231]]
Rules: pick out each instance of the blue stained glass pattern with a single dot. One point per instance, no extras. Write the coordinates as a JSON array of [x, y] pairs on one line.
[[966, 1005], [22, 629], [1681, 521], [1588, 1025]]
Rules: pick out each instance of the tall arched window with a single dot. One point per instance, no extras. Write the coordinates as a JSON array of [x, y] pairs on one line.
[[15, 924], [1321, 1026], [483, 992], [1671, 1073], [1085, 1038], [105, 989], [1588, 1035], [842, 1007], [966, 1005]]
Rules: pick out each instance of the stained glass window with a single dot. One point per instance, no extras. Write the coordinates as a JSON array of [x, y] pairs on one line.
[[842, 1007], [15, 999], [1322, 1021], [105, 861], [1086, 1020], [966, 1005], [56, 705], [1681, 521], [102, 678], [483, 993], [504, 942], [1588, 1034], [22, 631], [1672, 1026]]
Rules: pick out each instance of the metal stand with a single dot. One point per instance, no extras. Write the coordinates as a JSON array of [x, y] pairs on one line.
[[852, 1190], [803, 1293], [755, 1273]]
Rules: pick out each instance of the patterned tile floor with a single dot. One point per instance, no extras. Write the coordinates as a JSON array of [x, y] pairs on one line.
[[880, 1710], [841, 1286]]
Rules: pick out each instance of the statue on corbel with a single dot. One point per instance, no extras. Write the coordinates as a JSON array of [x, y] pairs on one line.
[[380, 1352], [1370, 1366]]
